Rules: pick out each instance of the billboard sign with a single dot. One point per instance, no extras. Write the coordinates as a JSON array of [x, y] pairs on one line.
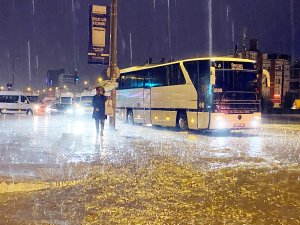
[[99, 38]]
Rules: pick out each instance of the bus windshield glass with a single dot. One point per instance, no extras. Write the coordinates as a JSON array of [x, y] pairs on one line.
[[236, 80]]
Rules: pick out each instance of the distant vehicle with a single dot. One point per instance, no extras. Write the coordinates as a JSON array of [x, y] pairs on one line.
[[66, 97], [37, 104], [33, 98], [60, 108], [83, 108], [77, 97], [14, 102], [199, 94], [296, 104], [87, 96]]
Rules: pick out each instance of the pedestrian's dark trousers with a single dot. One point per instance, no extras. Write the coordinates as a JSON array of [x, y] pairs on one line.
[[97, 121]]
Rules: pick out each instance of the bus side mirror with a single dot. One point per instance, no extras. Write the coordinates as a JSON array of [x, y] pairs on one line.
[[267, 75], [212, 75]]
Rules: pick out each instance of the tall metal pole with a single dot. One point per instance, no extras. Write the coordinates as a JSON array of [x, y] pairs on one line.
[[113, 59], [13, 75]]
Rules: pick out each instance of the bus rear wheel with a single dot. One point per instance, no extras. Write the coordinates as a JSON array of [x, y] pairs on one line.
[[130, 119], [182, 123]]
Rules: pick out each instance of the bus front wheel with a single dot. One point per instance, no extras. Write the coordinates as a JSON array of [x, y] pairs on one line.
[[130, 119], [182, 123]]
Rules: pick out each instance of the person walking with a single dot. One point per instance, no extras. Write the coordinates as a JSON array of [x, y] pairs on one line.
[[99, 109]]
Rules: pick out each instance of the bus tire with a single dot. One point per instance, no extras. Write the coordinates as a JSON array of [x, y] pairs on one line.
[[29, 112], [129, 118], [182, 123]]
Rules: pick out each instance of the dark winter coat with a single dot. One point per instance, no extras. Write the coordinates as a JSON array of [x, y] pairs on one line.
[[99, 102]]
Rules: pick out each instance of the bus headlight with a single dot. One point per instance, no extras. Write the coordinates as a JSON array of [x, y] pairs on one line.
[[221, 123], [257, 118], [256, 121]]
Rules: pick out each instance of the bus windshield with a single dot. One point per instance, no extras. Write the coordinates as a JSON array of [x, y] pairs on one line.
[[235, 80]]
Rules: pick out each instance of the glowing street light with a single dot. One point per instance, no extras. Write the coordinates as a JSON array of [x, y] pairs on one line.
[[100, 79], [65, 86], [85, 82], [1, 88], [28, 89]]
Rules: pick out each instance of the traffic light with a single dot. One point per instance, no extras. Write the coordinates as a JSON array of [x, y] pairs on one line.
[[76, 76]]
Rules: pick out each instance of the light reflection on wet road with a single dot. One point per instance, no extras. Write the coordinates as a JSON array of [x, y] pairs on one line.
[[29, 145], [54, 170]]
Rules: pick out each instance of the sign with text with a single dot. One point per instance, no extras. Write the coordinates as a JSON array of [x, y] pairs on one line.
[[99, 38]]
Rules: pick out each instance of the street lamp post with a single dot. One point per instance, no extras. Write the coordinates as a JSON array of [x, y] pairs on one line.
[[13, 71], [113, 59]]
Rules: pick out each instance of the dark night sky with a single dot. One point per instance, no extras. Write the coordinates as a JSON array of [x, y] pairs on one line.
[[59, 36]]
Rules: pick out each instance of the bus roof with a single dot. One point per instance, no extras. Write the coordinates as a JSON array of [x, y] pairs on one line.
[[149, 66]]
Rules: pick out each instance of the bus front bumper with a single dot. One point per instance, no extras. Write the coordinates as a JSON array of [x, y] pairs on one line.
[[220, 121]]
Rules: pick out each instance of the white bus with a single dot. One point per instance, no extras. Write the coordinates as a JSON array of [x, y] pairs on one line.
[[15, 102], [200, 93]]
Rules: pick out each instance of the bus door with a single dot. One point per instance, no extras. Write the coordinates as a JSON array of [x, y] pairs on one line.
[[147, 105]]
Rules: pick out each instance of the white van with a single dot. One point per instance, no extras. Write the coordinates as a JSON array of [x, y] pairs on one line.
[[14, 102], [66, 97]]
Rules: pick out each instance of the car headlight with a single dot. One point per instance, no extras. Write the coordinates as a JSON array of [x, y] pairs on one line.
[[69, 111], [80, 110]]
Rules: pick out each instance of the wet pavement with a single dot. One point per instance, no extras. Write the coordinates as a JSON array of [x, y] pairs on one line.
[[54, 170]]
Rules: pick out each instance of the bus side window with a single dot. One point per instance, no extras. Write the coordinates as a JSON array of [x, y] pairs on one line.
[[140, 78], [159, 76], [130, 81], [175, 75], [122, 81]]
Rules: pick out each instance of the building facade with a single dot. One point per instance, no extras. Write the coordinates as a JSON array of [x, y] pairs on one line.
[[279, 69], [53, 76], [67, 80], [278, 66], [295, 81]]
